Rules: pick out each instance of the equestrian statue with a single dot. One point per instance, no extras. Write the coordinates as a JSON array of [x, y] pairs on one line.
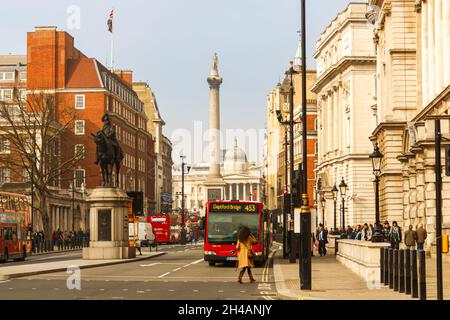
[[109, 154]]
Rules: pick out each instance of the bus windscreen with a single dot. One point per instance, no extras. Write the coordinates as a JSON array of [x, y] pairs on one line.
[[223, 227]]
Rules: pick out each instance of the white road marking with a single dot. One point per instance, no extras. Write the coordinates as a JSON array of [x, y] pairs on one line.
[[149, 265], [124, 289], [33, 288], [174, 270], [221, 291], [140, 291], [195, 290], [172, 290], [102, 289], [163, 275], [198, 261], [148, 290], [116, 297]]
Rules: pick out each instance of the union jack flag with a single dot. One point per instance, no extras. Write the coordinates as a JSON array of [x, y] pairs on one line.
[[110, 21]]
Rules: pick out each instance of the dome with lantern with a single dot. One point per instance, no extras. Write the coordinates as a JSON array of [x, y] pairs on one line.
[[235, 160]]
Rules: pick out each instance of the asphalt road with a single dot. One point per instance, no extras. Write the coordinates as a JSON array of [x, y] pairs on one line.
[[181, 274]]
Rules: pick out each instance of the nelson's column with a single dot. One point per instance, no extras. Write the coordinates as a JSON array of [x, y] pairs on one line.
[[214, 184]]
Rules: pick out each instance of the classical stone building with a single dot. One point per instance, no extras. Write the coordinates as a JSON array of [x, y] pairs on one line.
[[243, 180], [413, 42], [345, 87], [163, 148], [276, 159]]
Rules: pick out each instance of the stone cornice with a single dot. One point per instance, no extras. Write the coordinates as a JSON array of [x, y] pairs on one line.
[[338, 68], [387, 125], [445, 94]]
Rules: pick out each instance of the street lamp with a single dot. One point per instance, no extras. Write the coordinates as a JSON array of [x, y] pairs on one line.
[[323, 202], [287, 235], [376, 157], [343, 190], [183, 226], [335, 195]]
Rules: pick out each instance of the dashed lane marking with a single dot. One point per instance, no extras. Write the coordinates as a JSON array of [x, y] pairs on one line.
[[163, 275]]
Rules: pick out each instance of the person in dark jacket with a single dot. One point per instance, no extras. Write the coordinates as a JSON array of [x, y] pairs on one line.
[[395, 236], [323, 240], [386, 231], [421, 236]]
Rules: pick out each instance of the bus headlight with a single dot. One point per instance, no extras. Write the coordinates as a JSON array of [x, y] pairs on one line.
[[209, 253], [258, 254]]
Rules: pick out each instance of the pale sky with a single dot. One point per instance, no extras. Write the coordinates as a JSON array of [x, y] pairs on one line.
[[170, 44]]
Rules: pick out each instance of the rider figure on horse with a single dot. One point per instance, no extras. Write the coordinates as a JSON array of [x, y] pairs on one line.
[[109, 130]]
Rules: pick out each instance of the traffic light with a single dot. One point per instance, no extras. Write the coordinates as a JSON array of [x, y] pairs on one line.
[[447, 161]]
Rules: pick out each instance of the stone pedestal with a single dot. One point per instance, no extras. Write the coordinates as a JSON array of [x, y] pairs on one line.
[[109, 237]]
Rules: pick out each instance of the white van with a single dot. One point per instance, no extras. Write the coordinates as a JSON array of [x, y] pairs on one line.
[[141, 231]]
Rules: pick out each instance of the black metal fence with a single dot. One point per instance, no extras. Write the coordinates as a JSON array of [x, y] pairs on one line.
[[404, 271], [42, 246]]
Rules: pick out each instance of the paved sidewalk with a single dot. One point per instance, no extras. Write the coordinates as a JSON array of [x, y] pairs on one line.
[[18, 271], [331, 281]]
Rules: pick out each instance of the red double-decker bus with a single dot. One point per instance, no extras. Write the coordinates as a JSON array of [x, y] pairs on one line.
[[161, 227], [15, 239], [223, 220]]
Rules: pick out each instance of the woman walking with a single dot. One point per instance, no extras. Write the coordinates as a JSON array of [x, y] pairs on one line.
[[245, 252]]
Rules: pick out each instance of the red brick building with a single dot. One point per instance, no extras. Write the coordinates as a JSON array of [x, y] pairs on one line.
[[86, 89]]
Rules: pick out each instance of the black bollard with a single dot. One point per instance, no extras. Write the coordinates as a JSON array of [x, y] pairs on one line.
[[391, 269], [293, 249], [423, 275], [408, 271], [381, 265], [386, 266], [415, 285], [396, 271], [336, 247], [402, 270]]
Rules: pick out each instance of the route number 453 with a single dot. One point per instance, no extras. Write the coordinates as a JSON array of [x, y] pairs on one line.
[[250, 208]]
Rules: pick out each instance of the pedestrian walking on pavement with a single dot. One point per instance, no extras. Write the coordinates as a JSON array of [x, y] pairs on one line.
[[421, 237], [245, 252], [323, 240], [395, 236], [410, 238]]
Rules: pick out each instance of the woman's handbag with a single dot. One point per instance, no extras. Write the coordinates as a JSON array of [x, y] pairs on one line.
[[251, 254]]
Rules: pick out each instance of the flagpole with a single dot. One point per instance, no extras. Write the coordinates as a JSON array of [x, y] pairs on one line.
[[112, 41]]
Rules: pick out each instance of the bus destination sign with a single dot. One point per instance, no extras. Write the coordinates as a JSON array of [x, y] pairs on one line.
[[233, 208]]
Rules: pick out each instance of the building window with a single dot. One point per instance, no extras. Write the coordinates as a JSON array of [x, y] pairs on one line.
[[79, 178], [6, 94], [79, 127], [23, 76], [79, 151], [7, 76], [26, 175], [5, 175], [80, 101], [5, 146]]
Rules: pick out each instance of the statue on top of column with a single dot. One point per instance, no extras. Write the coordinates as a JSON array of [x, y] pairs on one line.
[[215, 66]]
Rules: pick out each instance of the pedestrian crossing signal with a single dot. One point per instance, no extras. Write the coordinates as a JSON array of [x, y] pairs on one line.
[[447, 161]]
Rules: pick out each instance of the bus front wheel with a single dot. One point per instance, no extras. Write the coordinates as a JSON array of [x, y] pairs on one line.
[[211, 263]]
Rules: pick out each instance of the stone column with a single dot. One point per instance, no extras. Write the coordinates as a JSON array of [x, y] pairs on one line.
[[336, 123], [238, 191], [57, 221], [329, 124], [230, 195], [438, 65], [446, 40], [245, 192], [431, 52], [424, 53], [214, 81]]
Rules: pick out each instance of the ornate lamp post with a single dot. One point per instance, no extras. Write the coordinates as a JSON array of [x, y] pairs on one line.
[[343, 190], [377, 157], [335, 195], [323, 202]]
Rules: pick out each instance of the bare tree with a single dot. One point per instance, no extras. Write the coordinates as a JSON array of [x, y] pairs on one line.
[[34, 128]]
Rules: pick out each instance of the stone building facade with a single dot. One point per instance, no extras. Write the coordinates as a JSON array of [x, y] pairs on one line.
[[163, 148], [346, 91], [413, 40]]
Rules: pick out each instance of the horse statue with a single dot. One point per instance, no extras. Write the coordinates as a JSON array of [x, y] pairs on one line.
[[109, 153]]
